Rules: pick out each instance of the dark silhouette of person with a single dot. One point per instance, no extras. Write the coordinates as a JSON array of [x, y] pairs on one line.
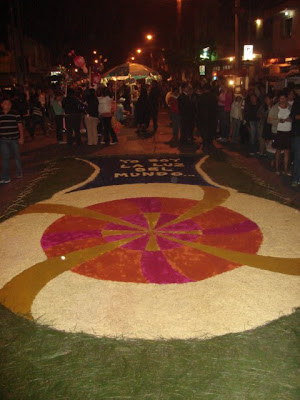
[[187, 114], [142, 112], [207, 114], [154, 98], [72, 108]]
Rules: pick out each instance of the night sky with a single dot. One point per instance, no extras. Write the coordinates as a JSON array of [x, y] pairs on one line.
[[114, 27]]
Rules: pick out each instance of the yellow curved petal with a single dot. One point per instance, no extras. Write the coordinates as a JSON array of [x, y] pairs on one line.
[[288, 266], [19, 293]]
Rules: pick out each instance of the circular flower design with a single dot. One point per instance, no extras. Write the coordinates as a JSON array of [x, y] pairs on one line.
[[152, 240]]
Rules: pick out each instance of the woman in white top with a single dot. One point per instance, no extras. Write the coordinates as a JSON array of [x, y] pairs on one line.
[[280, 114], [105, 112]]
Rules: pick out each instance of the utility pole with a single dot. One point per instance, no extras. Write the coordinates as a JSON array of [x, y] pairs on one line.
[[21, 44], [13, 39], [236, 34], [16, 40], [178, 27]]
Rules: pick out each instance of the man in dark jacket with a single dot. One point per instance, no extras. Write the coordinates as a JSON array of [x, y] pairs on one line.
[[251, 116], [187, 114], [142, 112], [154, 97], [207, 113], [71, 105]]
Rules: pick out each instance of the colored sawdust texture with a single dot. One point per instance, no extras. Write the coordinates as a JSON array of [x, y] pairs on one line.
[[262, 289]]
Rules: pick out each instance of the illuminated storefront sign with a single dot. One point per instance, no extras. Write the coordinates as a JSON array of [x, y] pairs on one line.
[[202, 70], [205, 54], [248, 52]]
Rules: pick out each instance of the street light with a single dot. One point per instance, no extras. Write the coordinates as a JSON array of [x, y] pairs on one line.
[[96, 61], [132, 58], [149, 37], [139, 51], [94, 51]]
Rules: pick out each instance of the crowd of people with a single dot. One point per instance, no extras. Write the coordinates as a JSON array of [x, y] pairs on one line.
[[267, 124]]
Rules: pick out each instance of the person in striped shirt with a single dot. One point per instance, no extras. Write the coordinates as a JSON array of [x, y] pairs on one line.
[[11, 136]]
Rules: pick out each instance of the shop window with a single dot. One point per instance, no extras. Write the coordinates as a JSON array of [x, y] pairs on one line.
[[286, 28]]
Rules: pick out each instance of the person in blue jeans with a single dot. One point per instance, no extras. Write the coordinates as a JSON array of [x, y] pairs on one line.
[[11, 136]]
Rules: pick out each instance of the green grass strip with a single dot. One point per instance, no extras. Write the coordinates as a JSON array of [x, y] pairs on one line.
[[40, 363]]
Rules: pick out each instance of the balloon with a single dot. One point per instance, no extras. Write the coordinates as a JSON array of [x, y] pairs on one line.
[[96, 79], [84, 69], [79, 61]]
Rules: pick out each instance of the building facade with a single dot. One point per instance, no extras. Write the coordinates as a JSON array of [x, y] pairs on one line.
[[31, 66], [268, 42]]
